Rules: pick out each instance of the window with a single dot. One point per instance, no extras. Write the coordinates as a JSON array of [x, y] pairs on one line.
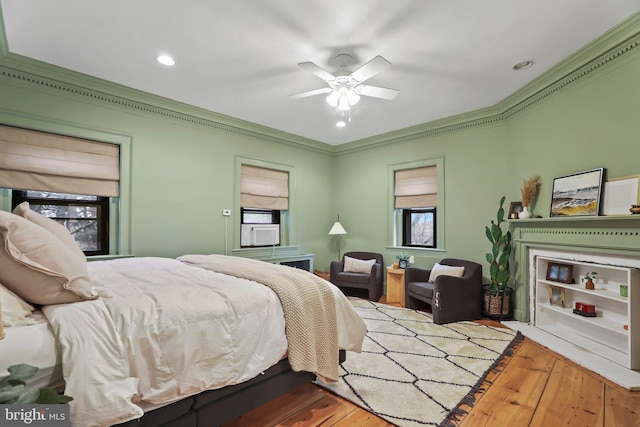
[[86, 217], [260, 216], [419, 227], [417, 204]]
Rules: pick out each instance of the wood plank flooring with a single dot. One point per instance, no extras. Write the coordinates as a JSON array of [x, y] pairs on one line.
[[537, 387]]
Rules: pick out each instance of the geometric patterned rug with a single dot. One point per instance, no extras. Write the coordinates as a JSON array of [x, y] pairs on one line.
[[412, 372]]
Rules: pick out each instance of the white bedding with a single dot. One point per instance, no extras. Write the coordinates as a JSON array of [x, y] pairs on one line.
[[191, 330], [33, 345]]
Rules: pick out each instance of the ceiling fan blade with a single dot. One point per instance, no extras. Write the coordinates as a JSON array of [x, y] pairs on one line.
[[311, 93], [377, 92], [371, 68], [313, 68]]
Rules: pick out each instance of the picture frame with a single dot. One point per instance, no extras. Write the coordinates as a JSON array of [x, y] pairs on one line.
[[514, 209], [620, 194], [557, 272], [557, 296], [578, 194]]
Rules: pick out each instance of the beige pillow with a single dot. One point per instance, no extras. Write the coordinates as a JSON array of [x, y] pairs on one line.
[[355, 265], [445, 270], [38, 267], [50, 225], [14, 310]]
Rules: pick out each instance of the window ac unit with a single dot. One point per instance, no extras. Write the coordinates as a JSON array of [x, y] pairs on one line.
[[260, 234]]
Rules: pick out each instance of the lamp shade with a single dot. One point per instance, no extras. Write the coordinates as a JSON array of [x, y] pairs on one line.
[[337, 229]]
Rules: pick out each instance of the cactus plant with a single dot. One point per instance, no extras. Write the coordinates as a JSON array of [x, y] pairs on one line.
[[500, 253]]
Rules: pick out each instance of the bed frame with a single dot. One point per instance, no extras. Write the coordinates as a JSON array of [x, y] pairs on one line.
[[216, 407]]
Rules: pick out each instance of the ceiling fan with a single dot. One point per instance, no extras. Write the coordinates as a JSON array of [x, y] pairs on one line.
[[345, 88]]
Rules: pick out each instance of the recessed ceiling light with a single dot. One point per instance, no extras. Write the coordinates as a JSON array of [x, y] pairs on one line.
[[522, 65], [341, 124], [166, 60]]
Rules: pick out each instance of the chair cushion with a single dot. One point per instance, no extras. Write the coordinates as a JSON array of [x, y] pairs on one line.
[[445, 270], [423, 289], [358, 265], [351, 277]]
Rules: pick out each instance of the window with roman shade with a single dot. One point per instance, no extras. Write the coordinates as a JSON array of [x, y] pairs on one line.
[[263, 188], [32, 160], [416, 188]]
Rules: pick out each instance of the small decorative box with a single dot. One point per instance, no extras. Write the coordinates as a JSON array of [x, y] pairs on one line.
[[585, 308]]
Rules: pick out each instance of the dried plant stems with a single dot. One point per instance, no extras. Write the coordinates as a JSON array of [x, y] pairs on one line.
[[529, 190]]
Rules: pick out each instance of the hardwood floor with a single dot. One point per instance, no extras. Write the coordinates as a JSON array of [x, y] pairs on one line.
[[537, 387]]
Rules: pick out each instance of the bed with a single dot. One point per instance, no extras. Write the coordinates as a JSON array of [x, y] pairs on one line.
[[157, 341]]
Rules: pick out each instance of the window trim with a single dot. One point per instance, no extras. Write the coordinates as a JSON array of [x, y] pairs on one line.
[[395, 223], [120, 207], [287, 217]]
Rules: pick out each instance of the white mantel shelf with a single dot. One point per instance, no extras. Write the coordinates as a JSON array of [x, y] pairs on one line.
[[626, 378], [574, 219]]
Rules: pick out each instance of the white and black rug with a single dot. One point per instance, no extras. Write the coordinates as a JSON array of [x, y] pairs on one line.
[[413, 372]]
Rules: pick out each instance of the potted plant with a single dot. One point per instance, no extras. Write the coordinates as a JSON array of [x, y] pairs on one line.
[[588, 279], [497, 295], [403, 260], [13, 388]]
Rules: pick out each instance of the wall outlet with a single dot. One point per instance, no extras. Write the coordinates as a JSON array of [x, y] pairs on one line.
[[411, 260], [226, 212]]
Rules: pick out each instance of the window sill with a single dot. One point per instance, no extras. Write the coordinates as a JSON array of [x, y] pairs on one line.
[[108, 257], [413, 248]]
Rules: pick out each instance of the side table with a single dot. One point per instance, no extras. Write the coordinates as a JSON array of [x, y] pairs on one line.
[[395, 286]]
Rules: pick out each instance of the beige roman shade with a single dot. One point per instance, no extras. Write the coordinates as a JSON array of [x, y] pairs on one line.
[[32, 160], [416, 188], [264, 188]]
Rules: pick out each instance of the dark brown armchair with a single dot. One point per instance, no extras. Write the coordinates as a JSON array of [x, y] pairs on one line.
[[371, 281], [451, 298]]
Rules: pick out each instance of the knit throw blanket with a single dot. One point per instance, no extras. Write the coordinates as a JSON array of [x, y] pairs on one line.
[[308, 304]]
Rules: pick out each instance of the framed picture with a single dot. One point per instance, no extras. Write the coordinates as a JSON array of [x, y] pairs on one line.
[[515, 209], [562, 273], [556, 296], [578, 194], [620, 194]]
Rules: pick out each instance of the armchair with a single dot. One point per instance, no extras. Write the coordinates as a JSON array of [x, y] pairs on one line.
[[371, 281], [451, 298]]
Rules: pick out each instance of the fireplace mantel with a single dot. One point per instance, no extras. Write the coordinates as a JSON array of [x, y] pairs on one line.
[[610, 235]]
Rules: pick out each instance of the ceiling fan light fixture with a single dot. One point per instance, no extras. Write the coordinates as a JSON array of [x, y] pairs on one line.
[[353, 97], [333, 98], [343, 103]]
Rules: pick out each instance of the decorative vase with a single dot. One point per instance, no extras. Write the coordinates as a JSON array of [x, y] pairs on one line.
[[525, 214], [589, 285]]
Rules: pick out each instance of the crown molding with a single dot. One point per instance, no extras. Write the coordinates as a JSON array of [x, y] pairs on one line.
[[612, 46], [32, 72]]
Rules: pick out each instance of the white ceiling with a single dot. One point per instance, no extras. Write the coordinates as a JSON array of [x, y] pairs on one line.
[[239, 58]]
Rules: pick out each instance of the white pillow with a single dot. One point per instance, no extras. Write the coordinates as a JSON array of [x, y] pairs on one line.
[[355, 265], [58, 230], [38, 267], [14, 310], [445, 270]]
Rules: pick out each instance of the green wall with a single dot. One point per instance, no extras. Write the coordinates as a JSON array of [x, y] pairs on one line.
[[182, 173], [580, 115]]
